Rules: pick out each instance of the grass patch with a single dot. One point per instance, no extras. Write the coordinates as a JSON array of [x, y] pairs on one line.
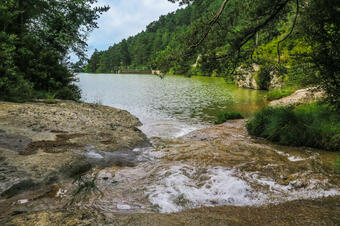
[[85, 186], [313, 125], [337, 165], [50, 99], [278, 94], [225, 116]]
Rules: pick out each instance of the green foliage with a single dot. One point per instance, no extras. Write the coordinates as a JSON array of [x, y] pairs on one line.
[[266, 73], [320, 25], [278, 94], [337, 164], [50, 99], [263, 77], [35, 41], [246, 32], [13, 86], [71, 92], [312, 125], [225, 116], [160, 46]]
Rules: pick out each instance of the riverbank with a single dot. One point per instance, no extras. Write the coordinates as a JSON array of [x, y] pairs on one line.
[[301, 96], [46, 147], [303, 118]]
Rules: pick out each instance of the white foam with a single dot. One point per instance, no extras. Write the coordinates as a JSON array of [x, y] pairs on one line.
[[185, 130], [94, 155], [295, 159], [61, 193], [289, 157], [167, 129], [295, 189], [123, 207], [183, 186], [23, 201]]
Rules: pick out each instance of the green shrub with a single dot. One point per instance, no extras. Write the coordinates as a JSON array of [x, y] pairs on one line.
[[223, 117], [312, 125], [70, 92], [263, 77], [278, 94], [50, 99], [337, 164]]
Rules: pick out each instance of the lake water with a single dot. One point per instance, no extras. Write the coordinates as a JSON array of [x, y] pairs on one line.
[[216, 167], [172, 106]]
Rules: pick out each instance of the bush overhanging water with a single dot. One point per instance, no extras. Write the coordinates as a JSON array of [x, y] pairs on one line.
[[312, 125]]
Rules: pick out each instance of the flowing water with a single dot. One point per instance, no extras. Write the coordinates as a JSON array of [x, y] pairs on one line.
[[172, 106], [214, 166]]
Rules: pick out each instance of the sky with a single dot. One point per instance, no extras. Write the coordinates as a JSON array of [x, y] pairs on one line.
[[125, 18]]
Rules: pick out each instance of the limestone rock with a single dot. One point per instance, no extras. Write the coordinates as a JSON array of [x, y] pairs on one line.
[[300, 96]]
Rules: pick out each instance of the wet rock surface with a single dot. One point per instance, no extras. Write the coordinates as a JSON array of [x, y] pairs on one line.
[[302, 212], [13, 142], [223, 165], [45, 144]]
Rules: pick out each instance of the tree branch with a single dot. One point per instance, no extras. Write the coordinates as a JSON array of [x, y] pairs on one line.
[[291, 31], [250, 34], [211, 24]]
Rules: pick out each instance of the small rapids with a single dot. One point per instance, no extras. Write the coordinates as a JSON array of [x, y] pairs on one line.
[[215, 166], [184, 186], [162, 183]]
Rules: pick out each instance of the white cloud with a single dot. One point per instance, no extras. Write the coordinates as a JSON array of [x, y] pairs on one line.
[[126, 18]]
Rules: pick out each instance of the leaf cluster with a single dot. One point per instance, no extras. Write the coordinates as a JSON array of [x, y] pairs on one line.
[[36, 38]]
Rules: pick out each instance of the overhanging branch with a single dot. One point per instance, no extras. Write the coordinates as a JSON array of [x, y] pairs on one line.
[[250, 34], [291, 31], [211, 24]]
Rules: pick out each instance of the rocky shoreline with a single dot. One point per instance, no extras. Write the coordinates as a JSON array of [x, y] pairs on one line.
[[301, 96], [45, 148], [42, 145]]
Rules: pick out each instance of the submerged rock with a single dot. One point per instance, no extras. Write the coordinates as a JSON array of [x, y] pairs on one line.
[[14, 141], [260, 172]]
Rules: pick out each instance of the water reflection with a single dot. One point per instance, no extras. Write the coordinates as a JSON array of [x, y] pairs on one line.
[[181, 103]]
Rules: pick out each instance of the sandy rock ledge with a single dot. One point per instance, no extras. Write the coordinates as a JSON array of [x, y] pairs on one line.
[[300, 96], [42, 144]]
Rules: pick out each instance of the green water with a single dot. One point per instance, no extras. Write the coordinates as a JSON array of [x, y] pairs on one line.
[[171, 106]]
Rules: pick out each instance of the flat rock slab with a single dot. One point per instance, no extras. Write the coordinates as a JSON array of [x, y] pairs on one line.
[[13, 141], [38, 142]]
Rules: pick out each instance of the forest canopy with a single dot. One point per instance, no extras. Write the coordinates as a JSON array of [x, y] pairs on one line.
[[36, 39]]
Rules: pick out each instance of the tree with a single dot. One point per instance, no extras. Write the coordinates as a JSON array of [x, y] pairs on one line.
[[319, 27], [36, 39], [125, 54], [94, 62]]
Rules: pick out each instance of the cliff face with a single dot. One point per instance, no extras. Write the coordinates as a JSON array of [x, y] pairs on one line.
[[246, 78]]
